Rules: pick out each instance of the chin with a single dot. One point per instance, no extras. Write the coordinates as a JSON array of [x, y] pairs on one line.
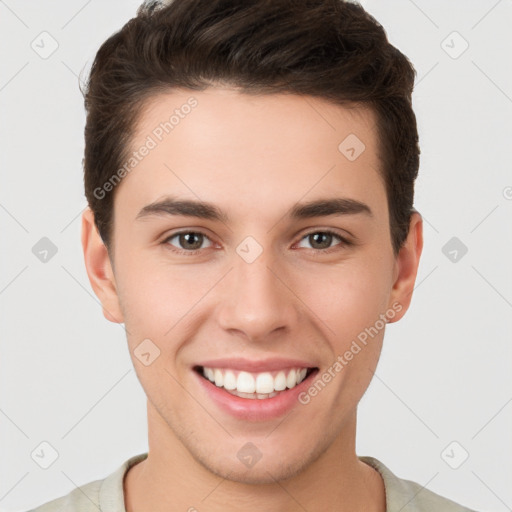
[[260, 474], [270, 468]]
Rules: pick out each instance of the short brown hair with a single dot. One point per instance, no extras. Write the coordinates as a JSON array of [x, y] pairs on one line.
[[331, 49]]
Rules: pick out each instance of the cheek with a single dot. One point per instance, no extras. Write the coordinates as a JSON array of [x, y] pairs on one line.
[[342, 298], [349, 297], [155, 296]]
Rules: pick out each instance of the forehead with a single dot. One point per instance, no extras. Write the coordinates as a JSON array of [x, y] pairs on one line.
[[217, 110], [220, 141]]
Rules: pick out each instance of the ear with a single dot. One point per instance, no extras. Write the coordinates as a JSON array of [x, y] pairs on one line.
[[99, 269], [406, 268]]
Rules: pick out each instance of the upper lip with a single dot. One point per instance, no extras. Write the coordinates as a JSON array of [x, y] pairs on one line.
[[248, 365]]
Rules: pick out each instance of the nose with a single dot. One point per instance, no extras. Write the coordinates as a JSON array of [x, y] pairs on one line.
[[256, 300]]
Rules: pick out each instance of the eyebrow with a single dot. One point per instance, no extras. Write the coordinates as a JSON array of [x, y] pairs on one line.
[[205, 210]]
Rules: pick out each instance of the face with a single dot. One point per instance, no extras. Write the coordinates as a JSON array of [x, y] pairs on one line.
[[257, 283]]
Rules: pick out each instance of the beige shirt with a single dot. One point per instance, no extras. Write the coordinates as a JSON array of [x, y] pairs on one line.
[[107, 495]]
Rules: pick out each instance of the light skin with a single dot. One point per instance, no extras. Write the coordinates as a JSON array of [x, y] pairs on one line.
[[255, 158]]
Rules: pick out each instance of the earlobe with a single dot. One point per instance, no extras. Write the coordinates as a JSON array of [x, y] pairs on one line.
[[407, 263], [99, 269]]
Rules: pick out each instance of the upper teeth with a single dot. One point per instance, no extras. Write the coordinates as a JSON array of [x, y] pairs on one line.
[[262, 383]]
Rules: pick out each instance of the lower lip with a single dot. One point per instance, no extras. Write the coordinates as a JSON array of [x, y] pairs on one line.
[[255, 409]]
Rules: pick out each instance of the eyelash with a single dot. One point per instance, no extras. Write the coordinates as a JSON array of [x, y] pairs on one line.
[[344, 241]]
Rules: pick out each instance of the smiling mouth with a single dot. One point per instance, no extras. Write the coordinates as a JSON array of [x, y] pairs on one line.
[[255, 385]]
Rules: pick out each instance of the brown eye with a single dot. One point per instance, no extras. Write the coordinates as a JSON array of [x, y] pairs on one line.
[[322, 240], [188, 240]]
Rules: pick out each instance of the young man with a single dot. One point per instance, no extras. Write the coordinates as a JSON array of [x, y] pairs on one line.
[[250, 167]]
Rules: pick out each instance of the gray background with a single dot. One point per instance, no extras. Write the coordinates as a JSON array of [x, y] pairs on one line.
[[444, 376]]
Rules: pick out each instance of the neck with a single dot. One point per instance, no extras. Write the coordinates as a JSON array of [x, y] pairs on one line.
[[170, 479]]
